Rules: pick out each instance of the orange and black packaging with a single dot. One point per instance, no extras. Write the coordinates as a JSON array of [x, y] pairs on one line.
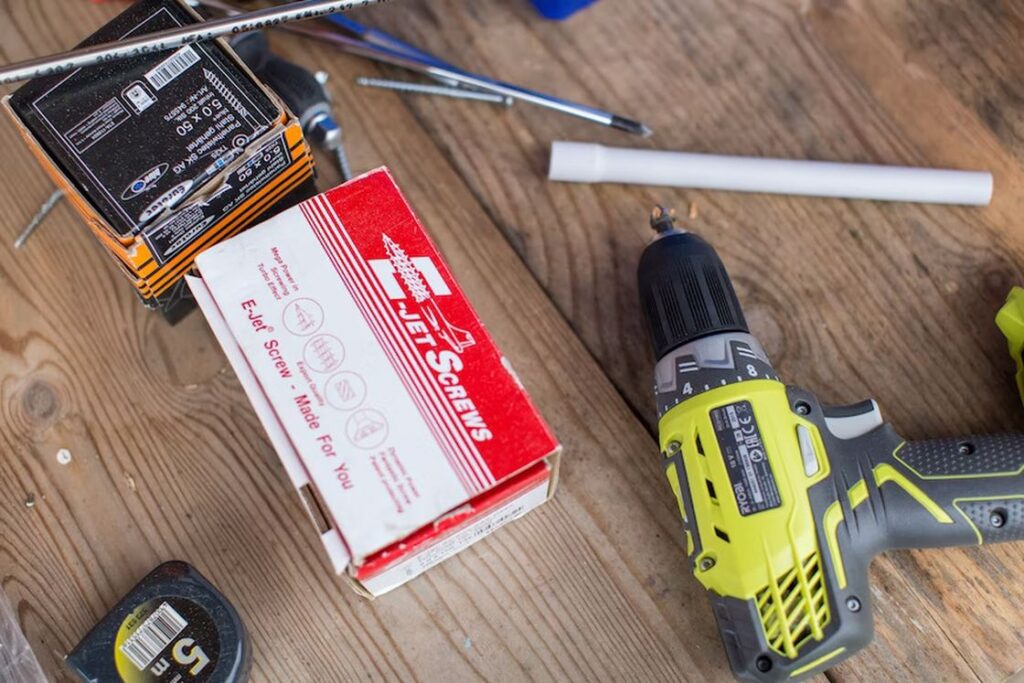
[[164, 154]]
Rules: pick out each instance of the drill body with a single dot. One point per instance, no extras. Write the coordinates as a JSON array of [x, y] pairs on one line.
[[785, 501]]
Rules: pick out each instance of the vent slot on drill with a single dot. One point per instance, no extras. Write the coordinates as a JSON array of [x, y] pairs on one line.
[[694, 296], [711, 490], [671, 314], [794, 607], [712, 276], [722, 535]]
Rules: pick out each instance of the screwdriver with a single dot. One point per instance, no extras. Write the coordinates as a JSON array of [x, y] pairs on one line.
[[304, 92]]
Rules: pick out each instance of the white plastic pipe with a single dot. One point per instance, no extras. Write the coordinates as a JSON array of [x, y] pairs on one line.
[[588, 163]]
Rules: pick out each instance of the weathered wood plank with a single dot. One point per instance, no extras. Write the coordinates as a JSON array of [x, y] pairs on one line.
[[169, 462], [851, 299]]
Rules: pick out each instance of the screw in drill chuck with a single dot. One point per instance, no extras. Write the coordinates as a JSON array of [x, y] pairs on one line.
[[685, 290]]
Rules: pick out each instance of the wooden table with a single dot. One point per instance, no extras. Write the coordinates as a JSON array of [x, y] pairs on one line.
[[851, 299]]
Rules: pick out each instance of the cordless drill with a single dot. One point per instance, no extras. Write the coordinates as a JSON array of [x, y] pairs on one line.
[[784, 500]]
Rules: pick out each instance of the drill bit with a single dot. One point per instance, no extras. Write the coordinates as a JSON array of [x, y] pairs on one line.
[[38, 219]]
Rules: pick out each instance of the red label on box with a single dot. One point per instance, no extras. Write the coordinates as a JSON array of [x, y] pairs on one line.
[[435, 340], [370, 370]]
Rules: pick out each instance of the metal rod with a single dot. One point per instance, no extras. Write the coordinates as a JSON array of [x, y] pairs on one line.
[[383, 39], [429, 89], [38, 219], [176, 37]]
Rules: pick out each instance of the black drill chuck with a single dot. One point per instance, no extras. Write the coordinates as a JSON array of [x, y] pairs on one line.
[[684, 288]]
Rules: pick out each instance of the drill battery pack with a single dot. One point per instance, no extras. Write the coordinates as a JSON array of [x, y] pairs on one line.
[[164, 154]]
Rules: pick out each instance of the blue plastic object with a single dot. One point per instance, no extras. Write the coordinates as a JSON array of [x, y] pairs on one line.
[[560, 9]]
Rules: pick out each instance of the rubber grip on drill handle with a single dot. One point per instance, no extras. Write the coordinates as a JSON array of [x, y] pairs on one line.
[[959, 491]]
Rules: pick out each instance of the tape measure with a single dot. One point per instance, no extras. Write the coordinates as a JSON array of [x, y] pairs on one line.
[[173, 627]]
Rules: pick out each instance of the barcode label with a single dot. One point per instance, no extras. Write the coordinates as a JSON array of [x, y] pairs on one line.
[[156, 632], [172, 67]]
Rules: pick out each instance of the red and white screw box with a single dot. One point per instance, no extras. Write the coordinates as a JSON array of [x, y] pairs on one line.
[[392, 409]]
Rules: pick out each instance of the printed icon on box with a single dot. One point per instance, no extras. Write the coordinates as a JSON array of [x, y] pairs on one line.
[[144, 182], [403, 277], [139, 97], [303, 317], [345, 391], [367, 428], [324, 353]]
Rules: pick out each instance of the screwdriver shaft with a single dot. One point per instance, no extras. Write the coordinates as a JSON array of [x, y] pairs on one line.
[[430, 89]]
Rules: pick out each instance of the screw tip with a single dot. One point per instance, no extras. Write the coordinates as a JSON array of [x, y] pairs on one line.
[[631, 126]]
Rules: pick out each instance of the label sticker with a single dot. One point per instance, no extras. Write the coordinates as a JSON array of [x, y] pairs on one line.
[[172, 67], [170, 639], [750, 472]]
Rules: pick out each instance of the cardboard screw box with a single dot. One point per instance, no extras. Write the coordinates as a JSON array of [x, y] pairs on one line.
[[389, 404], [163, 154]]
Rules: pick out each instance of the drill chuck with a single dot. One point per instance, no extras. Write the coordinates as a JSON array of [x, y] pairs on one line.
[[685, 290]]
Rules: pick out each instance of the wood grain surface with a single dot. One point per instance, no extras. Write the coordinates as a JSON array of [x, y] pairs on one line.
[[851, 299]]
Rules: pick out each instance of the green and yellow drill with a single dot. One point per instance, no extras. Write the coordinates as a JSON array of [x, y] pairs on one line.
[[784, 500]]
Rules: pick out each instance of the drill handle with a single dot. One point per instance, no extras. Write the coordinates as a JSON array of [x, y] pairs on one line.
[[944, 492]]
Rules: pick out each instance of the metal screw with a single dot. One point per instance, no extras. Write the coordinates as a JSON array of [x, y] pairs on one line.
[[706, 564], [997, 518], [763, 664], [427, 89], [966, 448], [343, 165], [803, 408], [38, 219], [672, 448], [853, 604]]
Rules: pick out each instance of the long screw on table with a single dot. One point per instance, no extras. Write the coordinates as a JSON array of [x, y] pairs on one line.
[[38, 219], [430, 89], [176, 37]]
